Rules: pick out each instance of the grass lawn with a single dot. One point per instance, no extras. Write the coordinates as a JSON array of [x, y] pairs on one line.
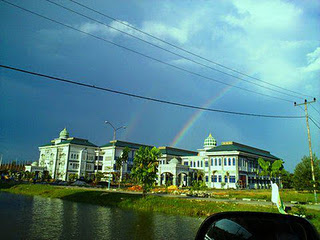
[[287, 195], [172, 205]]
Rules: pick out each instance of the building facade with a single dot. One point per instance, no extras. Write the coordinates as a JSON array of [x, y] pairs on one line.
[[68, 155], [229, 165]]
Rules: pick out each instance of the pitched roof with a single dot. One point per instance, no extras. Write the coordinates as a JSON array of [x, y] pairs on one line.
[[130, 145], [176, 151], [234, 146], [47, 144], [73, 140], [77, 141]]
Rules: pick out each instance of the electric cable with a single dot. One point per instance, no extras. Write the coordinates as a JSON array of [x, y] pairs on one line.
[[169, 51], [183, 49], [144, 55], [58, 79]]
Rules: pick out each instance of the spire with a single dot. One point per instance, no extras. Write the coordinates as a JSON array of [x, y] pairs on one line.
[[209, 142], [64, 134]]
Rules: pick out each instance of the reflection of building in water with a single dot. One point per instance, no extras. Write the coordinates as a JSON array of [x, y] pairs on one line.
[[51, 213], [229, 165]]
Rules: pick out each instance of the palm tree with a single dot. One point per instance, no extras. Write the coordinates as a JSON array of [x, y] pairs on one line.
[[227, 174], [120, 161], [200, 173]]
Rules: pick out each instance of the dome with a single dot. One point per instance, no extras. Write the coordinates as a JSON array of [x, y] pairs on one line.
[[34, 164], [64, 133], [210, 142], [174, 161]]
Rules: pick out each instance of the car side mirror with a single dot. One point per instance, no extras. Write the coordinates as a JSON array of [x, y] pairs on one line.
[[256, 225]]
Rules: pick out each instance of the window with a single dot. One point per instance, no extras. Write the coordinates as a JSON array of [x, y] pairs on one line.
[[229, 161], [201, 163], [74, 165], [89, 167], [198, 164], [215, 178], [219, 178], [211, 178], [100, 168], [232, 179], [207, 179], [186, 163], [233, 161], [190, 163], [225, 179], [211, 161], [219, 161], [206, 164], [215, 162], [225, 161]]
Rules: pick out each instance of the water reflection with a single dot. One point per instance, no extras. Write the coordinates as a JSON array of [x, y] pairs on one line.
[[25, 217]]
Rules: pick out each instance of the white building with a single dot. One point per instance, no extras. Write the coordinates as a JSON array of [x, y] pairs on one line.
[[107, 154], [230, 165], [68, 155]]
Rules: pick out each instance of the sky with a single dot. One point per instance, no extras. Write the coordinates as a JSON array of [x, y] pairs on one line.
[[275, 41]]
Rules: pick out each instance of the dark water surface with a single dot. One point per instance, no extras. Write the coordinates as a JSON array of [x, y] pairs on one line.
[[24, 217]]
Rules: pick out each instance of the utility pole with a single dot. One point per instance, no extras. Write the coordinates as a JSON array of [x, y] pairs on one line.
[[309, 139]]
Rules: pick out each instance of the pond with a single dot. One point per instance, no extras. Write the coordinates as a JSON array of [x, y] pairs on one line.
[[25, 217]]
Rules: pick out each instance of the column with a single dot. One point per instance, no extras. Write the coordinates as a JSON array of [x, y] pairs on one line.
[[188, 180], [174, 180]]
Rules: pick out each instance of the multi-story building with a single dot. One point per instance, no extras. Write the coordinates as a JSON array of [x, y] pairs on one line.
[[68, 155], [230, 165], [107, 155]]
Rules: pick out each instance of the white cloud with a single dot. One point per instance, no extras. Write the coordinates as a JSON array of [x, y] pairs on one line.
[[260, 38], [264, 15], [313, 61], [157, 29], [166, 32]]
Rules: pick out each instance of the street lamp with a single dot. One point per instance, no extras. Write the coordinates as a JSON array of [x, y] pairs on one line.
[[114, 138], [114, 129]]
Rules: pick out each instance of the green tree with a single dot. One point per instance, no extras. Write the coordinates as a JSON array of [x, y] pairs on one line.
[[227, 175], [287, 179], [97, 177], [73, 177], [145, 167], [276, 168], [302, 179], [273, 170], [120, 161], [200, 174]]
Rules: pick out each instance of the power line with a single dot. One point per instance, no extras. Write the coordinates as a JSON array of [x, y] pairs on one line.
[[308, 114], [147, 98], [144, 55], [169, 51], [314, 122], [314, 119], [315, 109], [184, 50]]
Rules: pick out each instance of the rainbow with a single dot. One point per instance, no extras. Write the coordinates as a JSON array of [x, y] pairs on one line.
[[185, 129], [133, 123]]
